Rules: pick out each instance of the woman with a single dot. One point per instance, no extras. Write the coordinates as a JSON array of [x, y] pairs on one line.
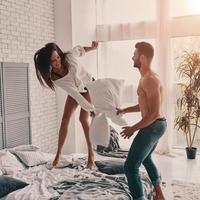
[[53, 67]]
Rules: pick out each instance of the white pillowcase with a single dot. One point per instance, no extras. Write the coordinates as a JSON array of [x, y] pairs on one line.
[[106, 97], [32, 158], [28, 147], [117, 119], [100, 131], [9, 163], [3, 152], [1, 172]]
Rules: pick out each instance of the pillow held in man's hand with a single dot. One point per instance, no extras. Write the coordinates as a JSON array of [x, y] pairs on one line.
[[100, 130], [106, 97]]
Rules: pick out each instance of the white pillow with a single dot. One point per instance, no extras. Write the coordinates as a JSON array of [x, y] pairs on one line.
[[1, 172], [100, 131], [32, 158], [106, 97], [9, 163], [3, 152], [28, 147], [117, 119]]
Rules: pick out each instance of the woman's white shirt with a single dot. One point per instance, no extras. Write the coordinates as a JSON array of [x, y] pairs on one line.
[[76, 79]]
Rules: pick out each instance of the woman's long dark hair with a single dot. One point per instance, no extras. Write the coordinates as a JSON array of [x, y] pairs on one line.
[[42, 60]]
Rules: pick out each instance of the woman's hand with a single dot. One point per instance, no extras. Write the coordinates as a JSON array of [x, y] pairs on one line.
[[120, 111], [94, 44], [92, 114]]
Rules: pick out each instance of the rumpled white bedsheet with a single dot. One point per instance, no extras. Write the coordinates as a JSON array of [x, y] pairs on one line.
[[40, 180]]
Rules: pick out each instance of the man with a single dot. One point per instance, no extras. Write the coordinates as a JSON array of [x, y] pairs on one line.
[[151, 127]]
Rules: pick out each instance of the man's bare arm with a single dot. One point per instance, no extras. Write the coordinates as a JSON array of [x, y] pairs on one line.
[[135, 108], [130, 109]]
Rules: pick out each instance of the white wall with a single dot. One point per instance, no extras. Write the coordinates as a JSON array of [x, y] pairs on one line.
[[83, 32], [25, 26], [79, 29], [63, 35], [63, 24]]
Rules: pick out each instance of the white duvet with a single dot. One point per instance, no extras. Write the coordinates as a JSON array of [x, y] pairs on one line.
[[40, 180], [89, 184]]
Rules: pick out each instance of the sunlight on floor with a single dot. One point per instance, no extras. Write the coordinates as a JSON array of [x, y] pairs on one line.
[[176, 166]]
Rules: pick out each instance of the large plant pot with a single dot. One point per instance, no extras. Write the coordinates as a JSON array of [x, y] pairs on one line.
[[191, 152]]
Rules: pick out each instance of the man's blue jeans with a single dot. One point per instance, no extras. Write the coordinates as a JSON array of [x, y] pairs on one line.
[[140, 153]]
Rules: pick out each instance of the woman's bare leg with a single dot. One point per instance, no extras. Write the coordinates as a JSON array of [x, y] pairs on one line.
[[70, 107], [84, 116]]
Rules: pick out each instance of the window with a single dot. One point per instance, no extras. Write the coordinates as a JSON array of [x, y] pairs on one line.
[[171, 26], [184, 7], [115, 60], [179, 45], [126, 11]]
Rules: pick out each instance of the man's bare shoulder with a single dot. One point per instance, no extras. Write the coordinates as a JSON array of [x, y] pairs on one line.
[[150, 80]]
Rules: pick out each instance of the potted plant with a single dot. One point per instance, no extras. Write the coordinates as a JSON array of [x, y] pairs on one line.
[[188, 104]]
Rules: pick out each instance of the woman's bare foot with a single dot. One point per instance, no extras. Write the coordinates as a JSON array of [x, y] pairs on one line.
[[56, 160], [90, 161]]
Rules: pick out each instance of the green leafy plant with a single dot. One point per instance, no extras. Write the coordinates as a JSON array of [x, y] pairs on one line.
[[188, 104]]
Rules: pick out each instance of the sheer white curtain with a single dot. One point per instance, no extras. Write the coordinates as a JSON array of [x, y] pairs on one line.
[[165, 71], [119, 26], [125, 20]]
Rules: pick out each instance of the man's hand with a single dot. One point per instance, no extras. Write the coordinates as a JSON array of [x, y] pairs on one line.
[[120, 111], [94, 44], [127, 132]]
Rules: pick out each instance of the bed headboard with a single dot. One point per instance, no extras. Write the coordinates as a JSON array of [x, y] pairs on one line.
[[15, 126]]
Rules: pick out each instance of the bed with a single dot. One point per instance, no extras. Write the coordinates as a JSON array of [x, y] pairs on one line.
[[70, 180], [26, 173]]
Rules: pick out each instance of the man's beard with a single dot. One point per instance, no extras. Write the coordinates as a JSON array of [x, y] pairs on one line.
[[137, 65]]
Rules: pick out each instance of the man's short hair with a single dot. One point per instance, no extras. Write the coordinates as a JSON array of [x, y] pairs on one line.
[[145, 48]]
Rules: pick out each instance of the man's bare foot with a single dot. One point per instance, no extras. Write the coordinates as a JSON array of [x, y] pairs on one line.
[[158, 194], [158, 197], [56, 160]]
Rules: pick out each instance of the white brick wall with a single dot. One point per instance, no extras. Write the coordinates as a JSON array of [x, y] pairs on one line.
[[25, 26]]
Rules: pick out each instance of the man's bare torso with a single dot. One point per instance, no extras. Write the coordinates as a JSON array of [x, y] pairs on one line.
[[142, 96]]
